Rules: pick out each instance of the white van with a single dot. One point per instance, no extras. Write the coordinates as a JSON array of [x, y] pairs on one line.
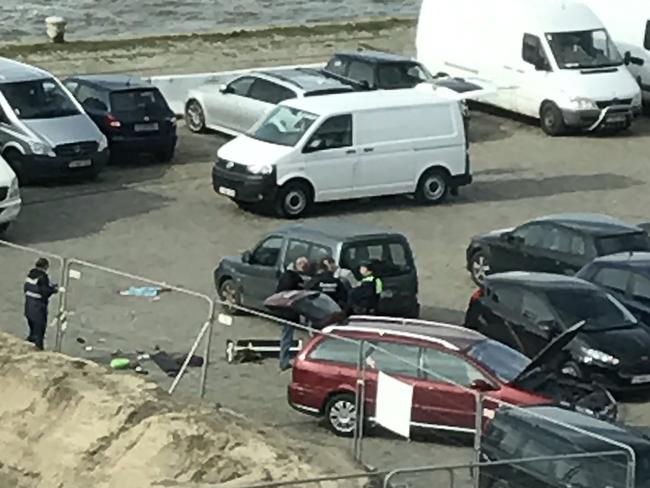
[[336, 147], [552, 59], [628, 22], [9, 196]]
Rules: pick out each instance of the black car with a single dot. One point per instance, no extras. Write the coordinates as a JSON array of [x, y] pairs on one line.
[[133, 115], [561, 243], [627, 277], [526, 311], [577, 449]]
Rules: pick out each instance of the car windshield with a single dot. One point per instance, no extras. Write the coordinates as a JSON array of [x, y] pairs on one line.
[[584, 49], [284, 126], [38, 99], [623, 243], [599, 309], [503, 361], [401, 75]]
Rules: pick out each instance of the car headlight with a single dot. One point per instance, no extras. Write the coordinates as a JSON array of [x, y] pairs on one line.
[[14, 190], [580, 103], [636, 100], [40, 149], [589, 356], [261, 169], [102, 144]]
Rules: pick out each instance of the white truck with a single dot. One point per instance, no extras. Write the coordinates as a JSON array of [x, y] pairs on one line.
[[552, 59]]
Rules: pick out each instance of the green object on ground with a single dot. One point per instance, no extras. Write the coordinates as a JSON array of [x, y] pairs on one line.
[[120, 363]]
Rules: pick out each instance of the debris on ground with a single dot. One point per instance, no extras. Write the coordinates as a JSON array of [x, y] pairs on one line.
[[144, 291]]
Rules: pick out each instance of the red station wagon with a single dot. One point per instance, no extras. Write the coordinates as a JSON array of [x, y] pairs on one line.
[[325, 372]]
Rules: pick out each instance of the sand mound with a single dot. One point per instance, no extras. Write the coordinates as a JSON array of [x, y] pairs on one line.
[[70, 423]]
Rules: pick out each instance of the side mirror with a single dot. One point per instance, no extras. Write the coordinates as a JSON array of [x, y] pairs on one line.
[[627, 58], [314, 145], [246, 257], [224, 89], [482, 385]]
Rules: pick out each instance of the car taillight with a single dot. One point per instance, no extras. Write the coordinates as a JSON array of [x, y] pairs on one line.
[[112, 122], [478, 293]]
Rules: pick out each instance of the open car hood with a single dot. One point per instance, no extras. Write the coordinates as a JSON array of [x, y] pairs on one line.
[[316, 307], [551, 351]]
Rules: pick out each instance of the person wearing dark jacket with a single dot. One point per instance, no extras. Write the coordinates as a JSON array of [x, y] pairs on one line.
[[364, 299], [38, 290], [328, 284], [291, 279]]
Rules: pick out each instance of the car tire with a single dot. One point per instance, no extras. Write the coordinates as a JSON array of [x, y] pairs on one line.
[[573, 369], [293, 200], [479, 267], [15, 160], [229, 292], [551, 119], [340, 414], [433, 187], [194, 117]]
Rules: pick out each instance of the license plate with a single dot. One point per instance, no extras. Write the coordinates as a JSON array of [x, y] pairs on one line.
[[146, 127], [644, 378], [615, 119], [229, 192], [80, 164]]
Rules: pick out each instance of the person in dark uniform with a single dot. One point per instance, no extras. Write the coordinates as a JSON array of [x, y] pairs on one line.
[[38, 291], [364, 299], [327, 283], [291, 279]]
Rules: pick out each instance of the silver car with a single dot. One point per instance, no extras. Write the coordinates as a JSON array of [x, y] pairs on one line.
[[234, 107], [44, 132]]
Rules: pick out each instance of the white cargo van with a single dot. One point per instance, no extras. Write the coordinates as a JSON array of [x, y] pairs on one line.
[[628, 22], [554, 59], [344, 146], [9, 196]]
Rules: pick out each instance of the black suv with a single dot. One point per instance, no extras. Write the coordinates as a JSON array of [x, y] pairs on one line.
[[627, 277], [251, 278], [526, 311], [561, 243], [133, 115], [544, 431]]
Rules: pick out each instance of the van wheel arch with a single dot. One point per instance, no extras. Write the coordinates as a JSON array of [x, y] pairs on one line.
[[332, 395], [295, 186], [424, 194]]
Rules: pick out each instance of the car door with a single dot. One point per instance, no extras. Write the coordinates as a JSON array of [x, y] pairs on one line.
[[517, 250], [443, 395], [538, 325], [263, 97], [531, 75], [329, 158], [261, 273], [564, 251], [640, 295], [499, 313], [222, 107]]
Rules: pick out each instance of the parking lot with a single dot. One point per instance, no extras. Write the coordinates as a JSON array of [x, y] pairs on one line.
[[165, 222]]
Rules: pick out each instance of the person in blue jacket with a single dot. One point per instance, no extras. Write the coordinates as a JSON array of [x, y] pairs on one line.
[[38, 290]]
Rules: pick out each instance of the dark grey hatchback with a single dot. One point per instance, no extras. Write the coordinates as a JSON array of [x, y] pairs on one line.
[[249, 279]]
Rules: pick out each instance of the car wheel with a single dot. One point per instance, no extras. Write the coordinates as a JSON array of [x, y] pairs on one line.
[[293, 200], [194, 116], [230, 293], [551, 119], [432, 187], [340, 414], [15, 160], [479, 267], [572, 369]]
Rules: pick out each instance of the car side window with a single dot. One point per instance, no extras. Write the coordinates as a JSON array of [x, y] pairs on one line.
[[613, 279], [268, 92], [362, 72], [443, 367], [532, 52], [641, 289], [335, 350], [646, 38], [558, 239], [531, 235], [267, 252], [335, 132], [536, 310], [394, 358], [90, 99], [391, 257], [337, 66], [71, 85], [241, 86], [3, 117], [312, 251]]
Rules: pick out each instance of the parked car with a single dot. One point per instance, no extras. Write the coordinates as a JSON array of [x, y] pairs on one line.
[[545, 431], [232, 108], [445, 364], [528, 310], [627, 277], [248, 280], [561, 243], [344, 146], [132, 114], [10, 201], [554, 60], [44, 131]]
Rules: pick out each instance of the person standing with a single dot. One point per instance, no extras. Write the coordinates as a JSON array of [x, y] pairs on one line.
[[364, 298], [326, 283], [291, 279], [38, 290]]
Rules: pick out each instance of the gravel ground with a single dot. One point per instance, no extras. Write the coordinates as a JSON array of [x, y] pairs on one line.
[[165, 222]]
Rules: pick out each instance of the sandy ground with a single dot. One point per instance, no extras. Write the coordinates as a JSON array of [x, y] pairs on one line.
[[165, 222]]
